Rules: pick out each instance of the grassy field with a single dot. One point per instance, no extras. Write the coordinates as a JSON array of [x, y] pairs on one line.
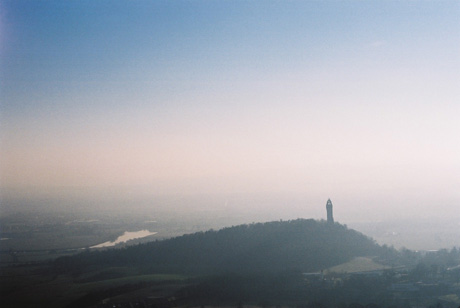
[[103, 284], [358, 264]]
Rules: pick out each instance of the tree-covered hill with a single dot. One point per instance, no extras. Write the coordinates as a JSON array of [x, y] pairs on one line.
[[300, 245]]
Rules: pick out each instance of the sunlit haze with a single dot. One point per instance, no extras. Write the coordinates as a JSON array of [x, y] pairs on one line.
[[288, 103]]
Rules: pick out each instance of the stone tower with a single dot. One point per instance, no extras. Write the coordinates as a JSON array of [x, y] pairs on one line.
[[330, 218]]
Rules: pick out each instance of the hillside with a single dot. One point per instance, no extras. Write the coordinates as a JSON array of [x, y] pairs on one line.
[[300, 245]]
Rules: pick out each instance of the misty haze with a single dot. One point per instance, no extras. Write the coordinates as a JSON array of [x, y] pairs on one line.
[[230, 154]]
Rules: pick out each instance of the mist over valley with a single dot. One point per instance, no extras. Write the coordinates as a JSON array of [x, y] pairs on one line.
[[217, 154]]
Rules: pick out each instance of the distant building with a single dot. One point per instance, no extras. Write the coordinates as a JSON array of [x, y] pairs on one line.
[[330, 218]]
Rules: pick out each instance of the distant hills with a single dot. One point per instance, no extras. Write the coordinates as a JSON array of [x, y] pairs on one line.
[[295, 245]]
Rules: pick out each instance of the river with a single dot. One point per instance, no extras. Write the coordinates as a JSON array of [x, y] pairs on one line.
[[124, 238]]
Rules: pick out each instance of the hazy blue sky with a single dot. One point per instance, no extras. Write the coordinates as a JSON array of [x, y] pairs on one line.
[[352, 100]]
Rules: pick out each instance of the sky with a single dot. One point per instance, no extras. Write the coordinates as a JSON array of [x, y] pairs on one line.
[[357, 101]]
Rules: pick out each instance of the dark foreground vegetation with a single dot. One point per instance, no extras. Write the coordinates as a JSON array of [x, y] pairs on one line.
[[299, 263]]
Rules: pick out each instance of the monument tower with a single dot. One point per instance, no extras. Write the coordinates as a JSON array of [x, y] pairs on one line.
[[330, 219]]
